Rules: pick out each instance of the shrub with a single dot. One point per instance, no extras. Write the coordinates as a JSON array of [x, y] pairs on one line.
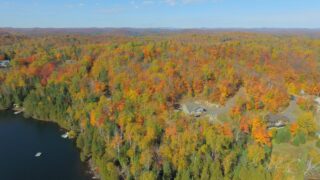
[[299, 139], [283, 135], [318, 144]]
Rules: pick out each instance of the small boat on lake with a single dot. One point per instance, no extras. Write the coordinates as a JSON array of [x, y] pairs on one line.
[[65, 135], [38, 154]]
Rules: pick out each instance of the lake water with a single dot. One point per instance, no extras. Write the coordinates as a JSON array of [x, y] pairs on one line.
[[21, 139]]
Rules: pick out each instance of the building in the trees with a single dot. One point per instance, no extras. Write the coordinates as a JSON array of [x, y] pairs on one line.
[[193, 109], [276, 120], [4, 63]]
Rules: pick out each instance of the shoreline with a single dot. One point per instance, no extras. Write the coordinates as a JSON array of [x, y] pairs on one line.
[[93, 171]]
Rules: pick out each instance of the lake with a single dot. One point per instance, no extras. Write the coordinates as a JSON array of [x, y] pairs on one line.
[[21, 139]]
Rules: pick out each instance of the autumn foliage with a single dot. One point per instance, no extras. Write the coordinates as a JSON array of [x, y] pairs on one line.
[[118, 93]]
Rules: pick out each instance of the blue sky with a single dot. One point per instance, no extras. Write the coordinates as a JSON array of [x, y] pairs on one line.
[[161, 13]]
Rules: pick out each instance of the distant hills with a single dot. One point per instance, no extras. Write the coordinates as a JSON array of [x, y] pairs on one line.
[[150, 31]]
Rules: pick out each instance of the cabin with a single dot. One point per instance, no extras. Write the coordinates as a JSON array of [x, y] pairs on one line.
[[276, 120], [198, 111], [193, 109], [4, 63]]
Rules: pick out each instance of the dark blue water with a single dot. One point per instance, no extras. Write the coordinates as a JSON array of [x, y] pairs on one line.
[[21, 139]]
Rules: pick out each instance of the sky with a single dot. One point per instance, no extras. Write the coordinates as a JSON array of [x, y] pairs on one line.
[[161, 13]]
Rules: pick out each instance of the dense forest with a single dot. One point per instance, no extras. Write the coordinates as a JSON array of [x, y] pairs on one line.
[[122, 97]]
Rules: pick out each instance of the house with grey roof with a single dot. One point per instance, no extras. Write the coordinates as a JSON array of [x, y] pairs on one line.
[[193, 109], [276, 120], [4, 63]]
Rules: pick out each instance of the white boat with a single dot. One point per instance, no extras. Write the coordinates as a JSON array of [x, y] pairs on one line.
[[38, 154], [18, 112], [65, 135]]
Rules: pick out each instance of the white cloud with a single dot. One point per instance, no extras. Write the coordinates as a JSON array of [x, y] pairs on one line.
[[112, 10], [171, 2], [148, 2], [175, 2], [134, 4], [74, 5]]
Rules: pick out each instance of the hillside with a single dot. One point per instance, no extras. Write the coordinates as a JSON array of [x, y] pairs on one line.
[[123, 95]]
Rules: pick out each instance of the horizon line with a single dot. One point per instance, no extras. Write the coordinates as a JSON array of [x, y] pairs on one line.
[[178, 28]]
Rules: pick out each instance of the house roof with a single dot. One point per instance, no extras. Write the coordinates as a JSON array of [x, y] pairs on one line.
[[191, 106], [273, 118], [4, 63]]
